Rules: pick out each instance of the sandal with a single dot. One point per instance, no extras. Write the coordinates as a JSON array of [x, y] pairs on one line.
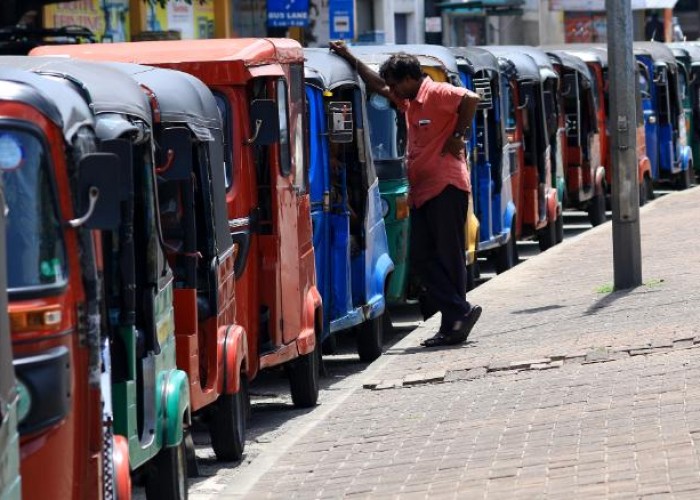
[[442, 339]]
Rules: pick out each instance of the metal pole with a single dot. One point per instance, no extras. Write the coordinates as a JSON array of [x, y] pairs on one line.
[[627, 251]]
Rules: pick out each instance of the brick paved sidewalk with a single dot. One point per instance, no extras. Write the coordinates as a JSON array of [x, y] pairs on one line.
[[563, 389]]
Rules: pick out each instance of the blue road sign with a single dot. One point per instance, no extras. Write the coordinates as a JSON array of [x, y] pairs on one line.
[[287, 13], [341, 14]]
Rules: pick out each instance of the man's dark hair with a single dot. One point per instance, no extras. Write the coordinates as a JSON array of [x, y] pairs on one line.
[[400, 66]]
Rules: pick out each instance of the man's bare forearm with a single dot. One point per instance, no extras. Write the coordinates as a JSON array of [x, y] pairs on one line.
[[374, 82], [466, 112]]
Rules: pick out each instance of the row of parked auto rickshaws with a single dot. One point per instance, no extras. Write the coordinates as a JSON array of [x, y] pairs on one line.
[[187, 214]]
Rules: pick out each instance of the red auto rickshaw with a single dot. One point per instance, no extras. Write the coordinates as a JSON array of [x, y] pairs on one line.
[[259, 88], [210, 346], [47, 136]]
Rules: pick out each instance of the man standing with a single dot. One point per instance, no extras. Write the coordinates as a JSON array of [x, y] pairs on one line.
[[438, 116]]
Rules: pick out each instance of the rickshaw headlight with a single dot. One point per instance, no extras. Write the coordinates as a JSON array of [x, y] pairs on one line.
[[385, 207]]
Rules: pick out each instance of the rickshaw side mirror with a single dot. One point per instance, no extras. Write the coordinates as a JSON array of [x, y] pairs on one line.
[[340, 121], [99, 204], [264, 122], [174, 162]]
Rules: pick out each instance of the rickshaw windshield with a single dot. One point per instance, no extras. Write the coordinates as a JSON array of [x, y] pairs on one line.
[[33, 229], [387, 129]]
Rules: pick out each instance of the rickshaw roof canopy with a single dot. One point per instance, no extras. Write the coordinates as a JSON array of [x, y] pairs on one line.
[[427, 55], [181, 97], [658, 51], [477, 59], [107, 89], [522, 65], [690, 50], [247, 51], [589, 53], [573, 62], [326, 70], [57, 102], [541, 59]]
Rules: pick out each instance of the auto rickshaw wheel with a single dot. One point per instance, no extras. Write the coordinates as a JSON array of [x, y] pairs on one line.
[[507, 255], [596, 210], [303, 378], [370, 339], [684, 180], [547, 236], [642, 193], [649, 185], [227, 426], [559, 229], [167, 478]]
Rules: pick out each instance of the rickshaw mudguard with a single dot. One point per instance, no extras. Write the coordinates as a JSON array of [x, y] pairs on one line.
[[553, 205], [473, 228], [600, 180], [644, 166], [176, 410], [235, 357], [686, 158], [313, 320], [10, 481], [508, 219], [377, 301]]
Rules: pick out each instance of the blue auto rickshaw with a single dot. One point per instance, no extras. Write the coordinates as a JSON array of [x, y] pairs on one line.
[[664, 119], [491, 168], [350, 243]]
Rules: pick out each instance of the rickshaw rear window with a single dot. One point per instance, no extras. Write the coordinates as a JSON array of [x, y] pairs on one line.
[[227, 117], [35, 249]]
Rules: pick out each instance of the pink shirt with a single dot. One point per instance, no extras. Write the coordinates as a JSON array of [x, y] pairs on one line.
[[431, 118]]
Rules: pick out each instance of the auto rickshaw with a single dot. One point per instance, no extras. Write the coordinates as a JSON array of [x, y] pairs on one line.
[[585, 174], [665, 128], [390, 134], [210, 347], [596, 58], [350, 242], [49, 161], [688, 57], [10, 480], [150, 396], [531, 126], [491, 170], [259, 88]]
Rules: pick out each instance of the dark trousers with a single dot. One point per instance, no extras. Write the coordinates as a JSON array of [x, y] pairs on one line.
[[438, 254]]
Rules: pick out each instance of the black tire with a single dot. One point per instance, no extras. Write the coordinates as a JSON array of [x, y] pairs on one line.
[[684, 179], [370, 339], [596, 210], [167, 477], [649, 186], [228, 424], [387, 325], [559, 229], [303, 374], [547, 236], [507, 255], [472, 271], [642, 194], [192, 465], [329, 345]]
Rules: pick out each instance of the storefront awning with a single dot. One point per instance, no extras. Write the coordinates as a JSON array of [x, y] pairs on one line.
[[599, 5], [485, 7]]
